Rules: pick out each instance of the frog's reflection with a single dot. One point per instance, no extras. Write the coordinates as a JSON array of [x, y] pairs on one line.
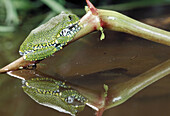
[[71, 97], [54, 94]]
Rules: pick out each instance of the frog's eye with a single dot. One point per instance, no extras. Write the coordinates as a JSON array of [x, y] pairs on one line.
[[70, 18]]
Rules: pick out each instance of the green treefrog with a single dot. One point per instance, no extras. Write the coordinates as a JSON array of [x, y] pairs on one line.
[[50, 37], [55, 94]]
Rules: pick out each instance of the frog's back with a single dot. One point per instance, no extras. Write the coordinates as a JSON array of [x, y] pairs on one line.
[[45, 33], [50, 37]]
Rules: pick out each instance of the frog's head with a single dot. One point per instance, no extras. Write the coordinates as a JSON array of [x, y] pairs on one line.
[[50, 37], [55, 94]]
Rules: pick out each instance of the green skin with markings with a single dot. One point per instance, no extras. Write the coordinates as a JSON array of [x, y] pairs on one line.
[[50, 37], [55, 94]]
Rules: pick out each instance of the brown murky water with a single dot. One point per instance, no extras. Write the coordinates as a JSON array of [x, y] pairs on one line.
[[90, 63]]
